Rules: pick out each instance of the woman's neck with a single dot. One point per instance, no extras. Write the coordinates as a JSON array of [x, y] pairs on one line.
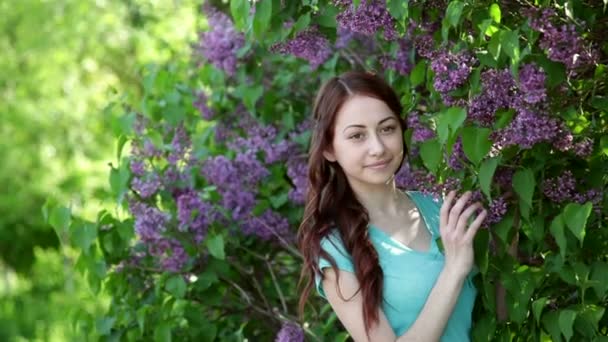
[[381, 201]]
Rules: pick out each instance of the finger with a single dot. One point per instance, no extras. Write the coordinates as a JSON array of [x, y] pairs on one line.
[[457, 209], [445, 209], [463, 219], [474, 227]]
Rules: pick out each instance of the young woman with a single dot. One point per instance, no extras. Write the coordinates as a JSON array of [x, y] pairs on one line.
[[370, 248]]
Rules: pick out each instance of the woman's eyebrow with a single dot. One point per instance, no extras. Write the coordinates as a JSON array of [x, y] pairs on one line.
[[379, 123]]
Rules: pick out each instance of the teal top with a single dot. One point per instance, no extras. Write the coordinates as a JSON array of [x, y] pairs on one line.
[[409, 275]]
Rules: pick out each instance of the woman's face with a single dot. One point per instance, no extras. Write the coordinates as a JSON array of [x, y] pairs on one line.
[[368, 141]]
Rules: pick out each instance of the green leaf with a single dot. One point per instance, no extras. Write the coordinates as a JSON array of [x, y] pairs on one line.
[[495, 46], [495, 13], [239, 9], [566, 320], [398, 9], [599, 278], [575, 216], [119, 178], [278, 200], [557, 230], [302, 23], [476, 143], [537, 308], [510, 44], [60, 219], [449, 121], [176, 286], [251, 94], [486, 173], [454, 12], [83, 235], [261, 20], [523, 184], [550, 322], [104, 325], [430, 152], [215, 244], [418, 74], [604, 145], [162, 333]]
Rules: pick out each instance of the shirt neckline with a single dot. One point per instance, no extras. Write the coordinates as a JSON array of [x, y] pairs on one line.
[[433, 245]]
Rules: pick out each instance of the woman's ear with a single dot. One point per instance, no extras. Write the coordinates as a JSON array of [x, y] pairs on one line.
[[329, 156]]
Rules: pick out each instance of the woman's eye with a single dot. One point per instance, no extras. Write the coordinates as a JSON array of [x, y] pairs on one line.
[[356, 136], [388, 129]]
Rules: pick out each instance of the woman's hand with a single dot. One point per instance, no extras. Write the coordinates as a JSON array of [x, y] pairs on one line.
[[456, 237]]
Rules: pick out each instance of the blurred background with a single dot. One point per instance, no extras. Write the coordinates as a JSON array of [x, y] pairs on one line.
[[63, 63]]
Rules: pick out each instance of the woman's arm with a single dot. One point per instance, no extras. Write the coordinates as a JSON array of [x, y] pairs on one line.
[[433, 318]]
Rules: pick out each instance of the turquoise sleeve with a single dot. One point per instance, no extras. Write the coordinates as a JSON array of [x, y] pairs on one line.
[[333, 245]]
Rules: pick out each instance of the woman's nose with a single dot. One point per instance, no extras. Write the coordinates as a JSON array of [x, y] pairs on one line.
[[376, 147]]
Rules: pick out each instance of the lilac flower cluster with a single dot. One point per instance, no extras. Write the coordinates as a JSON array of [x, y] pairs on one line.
[[498, 91], [219, 46], [200, 103], [195, 215], [455, 160], [267, 226], [368, 18], [309, 44], [290, 332], [563, 188], [236, 181], [561, 42], [423, 181], [451, 70], [420, 132], [263, 138], [527, 129], [401, 62], [532, 84], [297, 171], [150, 226]]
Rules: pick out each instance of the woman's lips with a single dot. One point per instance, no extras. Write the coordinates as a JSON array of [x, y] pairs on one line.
[[379, 165]]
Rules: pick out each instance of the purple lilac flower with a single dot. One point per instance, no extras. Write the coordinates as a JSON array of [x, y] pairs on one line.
[[451, 70], [194, 214], [180, 145], [290, 332], [401, 62], [174, 257], [420, 131], [562, 42], [532, 84], [251, 171], [560, 189], [146, 186], [528, 128], [137, 167], [309, 44], [150, 222], [584, 148], [297, 171], [270, 225], [455, 160], [367, 19], [424, 181], [498, 91], [219, 45], [496, 211], [262, 138], [200, 103]]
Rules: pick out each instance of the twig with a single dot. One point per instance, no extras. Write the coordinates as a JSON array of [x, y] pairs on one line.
[[276, 286]]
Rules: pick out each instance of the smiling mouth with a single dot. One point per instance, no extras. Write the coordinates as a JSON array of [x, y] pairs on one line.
[[380, 164]]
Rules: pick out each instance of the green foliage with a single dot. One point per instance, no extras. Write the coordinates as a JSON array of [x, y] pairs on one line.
[[542, 265]]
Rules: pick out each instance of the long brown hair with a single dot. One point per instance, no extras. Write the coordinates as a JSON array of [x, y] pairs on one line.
[[328, 186]]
